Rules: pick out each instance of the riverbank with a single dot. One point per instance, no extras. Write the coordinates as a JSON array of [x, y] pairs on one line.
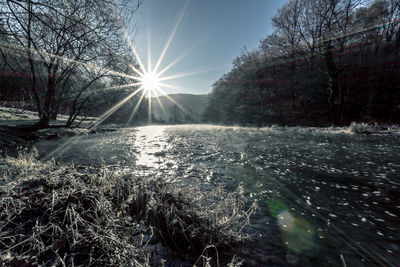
[[57, 214], [13, 119]]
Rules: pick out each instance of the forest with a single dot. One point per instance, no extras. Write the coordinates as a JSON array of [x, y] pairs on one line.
[[327, 62]]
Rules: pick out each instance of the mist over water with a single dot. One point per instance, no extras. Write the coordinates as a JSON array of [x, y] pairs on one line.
[[326, 196]]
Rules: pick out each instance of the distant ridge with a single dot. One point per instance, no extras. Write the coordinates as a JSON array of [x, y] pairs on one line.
[[189, 108]]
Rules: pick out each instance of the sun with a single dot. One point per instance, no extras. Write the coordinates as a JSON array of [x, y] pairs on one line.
[[150, 82]]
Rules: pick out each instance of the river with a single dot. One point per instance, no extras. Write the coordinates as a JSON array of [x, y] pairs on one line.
[[327, 197]]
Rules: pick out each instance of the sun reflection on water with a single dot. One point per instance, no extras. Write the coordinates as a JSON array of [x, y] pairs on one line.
[[151, 142]]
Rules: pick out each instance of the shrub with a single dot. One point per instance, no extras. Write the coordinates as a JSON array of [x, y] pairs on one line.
[[54, 214]]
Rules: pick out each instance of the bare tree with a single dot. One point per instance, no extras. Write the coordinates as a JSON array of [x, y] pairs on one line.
[[286, 23], [325, 27], [64, 41]]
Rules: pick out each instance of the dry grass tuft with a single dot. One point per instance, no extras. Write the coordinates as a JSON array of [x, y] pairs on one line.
[[53, 214], [362, 127]]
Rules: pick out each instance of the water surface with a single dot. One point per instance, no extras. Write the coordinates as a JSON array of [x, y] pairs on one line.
[[326, 196]]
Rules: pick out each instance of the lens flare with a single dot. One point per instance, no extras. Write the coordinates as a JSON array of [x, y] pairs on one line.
[[150, 82]]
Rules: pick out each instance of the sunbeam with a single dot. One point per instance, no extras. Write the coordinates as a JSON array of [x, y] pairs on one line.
[[124, 86], [115, 108], [130, 43], [65, 146], [176, 60], [173, 101], [171, 37], [135, 70], [169, 86], [148, 45], [161, 105], [135, 109], [147, 78], [17, 47], [149, 106], [191, 73]]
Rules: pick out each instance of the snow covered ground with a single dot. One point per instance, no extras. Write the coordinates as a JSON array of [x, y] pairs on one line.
[[14, 117]]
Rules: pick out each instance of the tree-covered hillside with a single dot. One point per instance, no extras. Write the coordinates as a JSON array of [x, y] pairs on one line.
[[327, 62]]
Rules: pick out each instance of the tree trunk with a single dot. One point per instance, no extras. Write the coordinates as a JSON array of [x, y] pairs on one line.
[[293, 80], [50, 95], [341, 98], [43, 123], [333, 87], [53, 115], [31, 63]]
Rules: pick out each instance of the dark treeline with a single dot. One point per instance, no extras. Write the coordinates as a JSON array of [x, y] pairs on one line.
[[327, 62], [67, 57]]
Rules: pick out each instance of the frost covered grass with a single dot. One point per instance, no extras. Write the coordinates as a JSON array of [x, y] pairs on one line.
[[53, 214], [8, 113], [16, 117], [362, 127]]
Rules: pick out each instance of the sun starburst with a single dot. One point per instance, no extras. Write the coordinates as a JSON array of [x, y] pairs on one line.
[[150, 83]]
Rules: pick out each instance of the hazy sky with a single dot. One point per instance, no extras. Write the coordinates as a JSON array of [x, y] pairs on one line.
[[210, 35]]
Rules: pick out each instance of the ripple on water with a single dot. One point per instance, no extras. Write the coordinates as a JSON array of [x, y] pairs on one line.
[[350, 182]]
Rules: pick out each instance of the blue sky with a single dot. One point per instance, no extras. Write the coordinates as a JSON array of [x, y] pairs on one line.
[[211, 34]]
